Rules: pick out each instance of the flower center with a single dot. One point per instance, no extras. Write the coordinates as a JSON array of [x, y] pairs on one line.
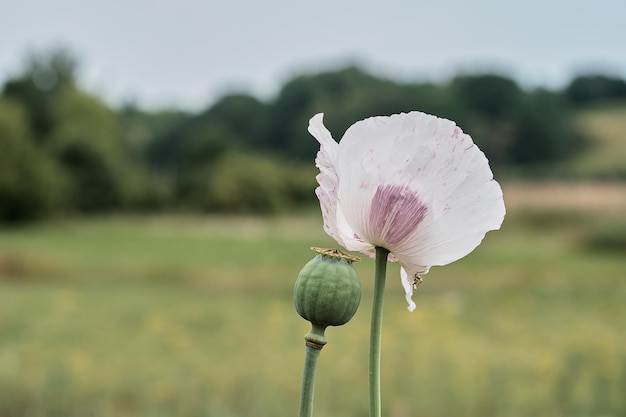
[[396, 212]]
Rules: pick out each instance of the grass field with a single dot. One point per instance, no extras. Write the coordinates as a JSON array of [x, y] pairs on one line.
[[178, 316]]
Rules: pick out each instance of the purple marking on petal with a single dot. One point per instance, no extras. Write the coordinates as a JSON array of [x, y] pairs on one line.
[[357, 238], [396, 212]]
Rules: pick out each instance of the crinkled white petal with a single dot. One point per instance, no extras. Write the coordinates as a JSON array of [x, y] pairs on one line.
[[334, 220], [433, 159], [465, 202], [408, 275], [350, 239], [407, 283], [327, 178], [378, 152]]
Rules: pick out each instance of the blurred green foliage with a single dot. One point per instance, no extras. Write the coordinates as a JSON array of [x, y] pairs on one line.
[[70, 144], [589, 89], [245, 183], [30, 182], [64, 150]]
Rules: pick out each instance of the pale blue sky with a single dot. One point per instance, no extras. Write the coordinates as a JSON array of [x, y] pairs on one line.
[[188, 52]]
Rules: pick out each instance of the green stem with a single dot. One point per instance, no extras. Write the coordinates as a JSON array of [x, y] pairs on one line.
[[315, 341], [376, 330]]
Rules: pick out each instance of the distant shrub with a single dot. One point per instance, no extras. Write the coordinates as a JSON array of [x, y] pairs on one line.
[[245, 183], [550, 219], [595, 88], [606, 238]]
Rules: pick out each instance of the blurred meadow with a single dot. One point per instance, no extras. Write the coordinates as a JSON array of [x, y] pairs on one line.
[[193, 316], [147, 258]]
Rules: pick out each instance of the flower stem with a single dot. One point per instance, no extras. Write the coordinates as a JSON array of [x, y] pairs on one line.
[[315, 341], [376, 330]]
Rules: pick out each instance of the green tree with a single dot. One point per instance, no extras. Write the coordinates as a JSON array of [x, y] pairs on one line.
[[31, 185], [493, 96], [244, 117], [139, 128], [235, 121], [486, 106], [545, 131], [87, 143], [44, 75], [79, 132], [512, 126], [345, 96], [592, 88]]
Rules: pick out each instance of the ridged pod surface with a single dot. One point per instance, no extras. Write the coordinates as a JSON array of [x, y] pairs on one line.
[[328, 290]]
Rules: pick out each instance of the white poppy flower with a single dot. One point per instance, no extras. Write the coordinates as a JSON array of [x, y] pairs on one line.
[[412, 183]]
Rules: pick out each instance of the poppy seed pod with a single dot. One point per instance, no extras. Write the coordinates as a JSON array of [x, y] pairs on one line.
[[327, 290]]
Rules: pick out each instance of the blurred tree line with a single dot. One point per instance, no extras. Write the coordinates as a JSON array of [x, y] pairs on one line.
[[64, 150]]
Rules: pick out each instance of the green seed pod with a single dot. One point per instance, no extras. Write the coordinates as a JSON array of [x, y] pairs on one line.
[[328, 291]]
